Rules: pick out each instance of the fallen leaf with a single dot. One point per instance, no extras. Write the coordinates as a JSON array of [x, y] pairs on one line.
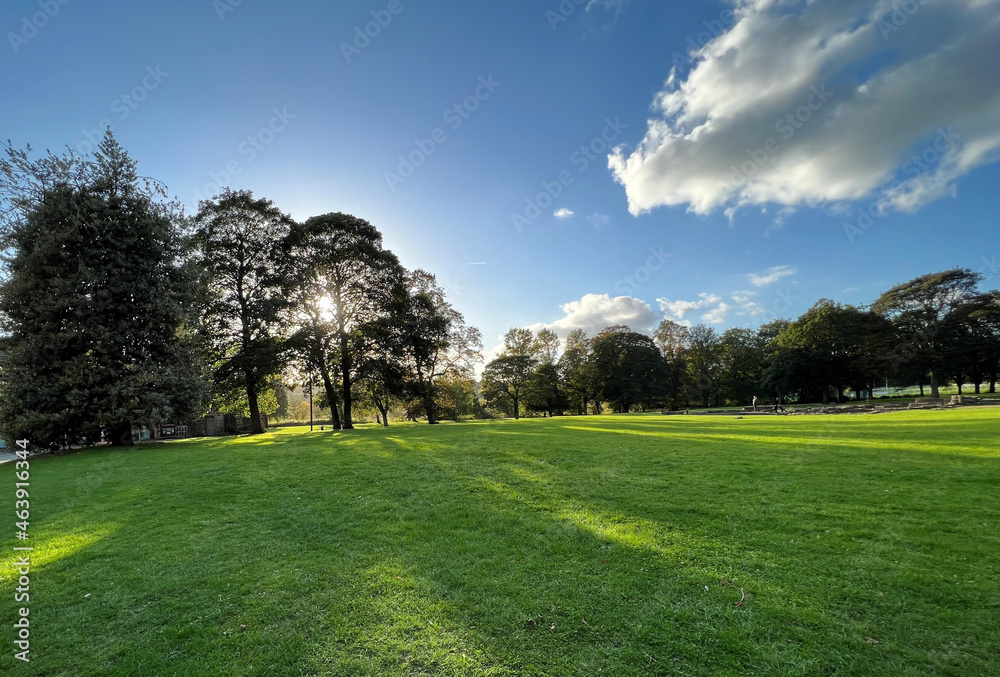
[[872, 640]]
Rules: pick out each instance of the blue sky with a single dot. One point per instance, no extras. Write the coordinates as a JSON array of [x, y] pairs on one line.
[[500, 103]]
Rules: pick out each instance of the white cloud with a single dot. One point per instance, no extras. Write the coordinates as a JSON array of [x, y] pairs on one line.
[[563, 213], [716, 311], [676, 310], [771, 275], [811, 102], [717, 315], [594, 312]]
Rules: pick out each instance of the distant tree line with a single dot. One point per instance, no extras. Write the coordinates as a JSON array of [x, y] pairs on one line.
[[935, 330], [118, 310]]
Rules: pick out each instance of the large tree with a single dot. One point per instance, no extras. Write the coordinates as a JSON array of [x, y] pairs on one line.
[[923, 311], [437, 344], [674, 340], [577, 370], [240, 240], [95, 303], [742, 356], [704, 362], [382, 363], [344, 270], [631, 371], [504, 380]]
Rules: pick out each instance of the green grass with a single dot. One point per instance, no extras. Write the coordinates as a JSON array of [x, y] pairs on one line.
[[616, 545]]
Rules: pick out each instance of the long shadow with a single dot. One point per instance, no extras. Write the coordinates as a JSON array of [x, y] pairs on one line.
[[399, 555]]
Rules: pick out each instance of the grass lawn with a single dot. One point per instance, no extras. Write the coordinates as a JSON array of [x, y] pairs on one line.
[[619, 545]]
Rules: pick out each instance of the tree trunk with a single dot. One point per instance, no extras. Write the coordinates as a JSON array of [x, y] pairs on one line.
[[331, 395], [517, 408], [255, 426], [120, 435], [935, 390], [385, 416], [429, 407], [345, 370]]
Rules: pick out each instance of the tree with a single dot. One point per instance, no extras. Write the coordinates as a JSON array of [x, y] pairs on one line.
[[629, 368], [241, 245], [436, 341], [381, 365], [456, 397], [95, 303], [989, 317], [578, 372], [346, 272], [922, 310], [504, 380], [674, 341], [703, 362], [742, 355], [315, 341], [971, 342], [543, 390], [545, 346], [519, 341]]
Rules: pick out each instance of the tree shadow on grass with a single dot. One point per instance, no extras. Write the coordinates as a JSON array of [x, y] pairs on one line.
[[403, 555]]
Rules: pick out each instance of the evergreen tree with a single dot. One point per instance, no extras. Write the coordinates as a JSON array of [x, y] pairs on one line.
[[95, 304]]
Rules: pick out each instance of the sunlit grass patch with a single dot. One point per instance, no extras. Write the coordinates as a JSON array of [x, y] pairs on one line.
[[619, 545]]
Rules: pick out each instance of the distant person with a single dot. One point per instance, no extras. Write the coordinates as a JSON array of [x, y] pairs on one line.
[[777, 406], [755, 403]]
